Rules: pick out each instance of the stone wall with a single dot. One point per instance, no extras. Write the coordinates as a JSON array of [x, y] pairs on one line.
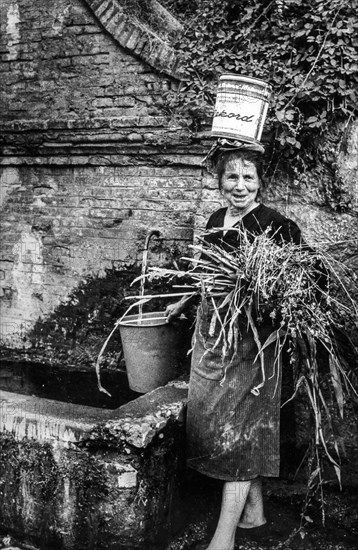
[[76, 477]]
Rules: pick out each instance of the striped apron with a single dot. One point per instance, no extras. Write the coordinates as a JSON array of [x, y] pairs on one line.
[[233, 434]]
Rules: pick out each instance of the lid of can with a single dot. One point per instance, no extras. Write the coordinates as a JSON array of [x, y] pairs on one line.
[[246, 79]]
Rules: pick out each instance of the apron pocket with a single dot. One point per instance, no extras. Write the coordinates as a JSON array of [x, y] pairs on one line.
[[207, 362]]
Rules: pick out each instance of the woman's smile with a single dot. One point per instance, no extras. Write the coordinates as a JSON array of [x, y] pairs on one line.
[[240, 185]]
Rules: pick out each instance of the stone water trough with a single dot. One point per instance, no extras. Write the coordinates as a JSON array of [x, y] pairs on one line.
[[77, 477]]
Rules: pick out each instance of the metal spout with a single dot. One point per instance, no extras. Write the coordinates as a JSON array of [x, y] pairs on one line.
[[152, 233]]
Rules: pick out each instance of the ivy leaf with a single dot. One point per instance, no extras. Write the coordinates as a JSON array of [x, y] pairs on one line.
[[293, 141], [290, 114], [280, 115]]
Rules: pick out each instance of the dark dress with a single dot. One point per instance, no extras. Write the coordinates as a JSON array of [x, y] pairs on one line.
[[233, 434]]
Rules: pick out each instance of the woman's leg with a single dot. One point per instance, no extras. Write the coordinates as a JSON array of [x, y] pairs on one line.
[[233, 501], [253, 514]]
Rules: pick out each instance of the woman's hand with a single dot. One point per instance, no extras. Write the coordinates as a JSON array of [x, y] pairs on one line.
[[174, 310]]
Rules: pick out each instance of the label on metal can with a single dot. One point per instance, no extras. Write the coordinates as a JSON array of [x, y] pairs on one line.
[[241, 108]]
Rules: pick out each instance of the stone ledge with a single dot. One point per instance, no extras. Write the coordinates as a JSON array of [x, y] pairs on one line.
[[139, 421], [86, 123], [47, 420], [106, 138], [83, 159], [100, 141], [135, 423]]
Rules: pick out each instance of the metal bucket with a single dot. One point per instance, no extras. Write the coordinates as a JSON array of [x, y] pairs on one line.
[[240, 108], [151, 350]]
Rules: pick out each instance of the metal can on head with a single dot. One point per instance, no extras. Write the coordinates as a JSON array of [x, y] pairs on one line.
[[240, 108]]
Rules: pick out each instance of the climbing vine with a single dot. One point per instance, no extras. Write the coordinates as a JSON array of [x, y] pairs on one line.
[[307, 51]]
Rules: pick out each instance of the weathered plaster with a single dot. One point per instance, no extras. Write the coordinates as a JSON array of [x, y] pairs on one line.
[[9, 179], [13, 30], [27, 274]]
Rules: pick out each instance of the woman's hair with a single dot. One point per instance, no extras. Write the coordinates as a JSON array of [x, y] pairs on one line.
[[251, 156]]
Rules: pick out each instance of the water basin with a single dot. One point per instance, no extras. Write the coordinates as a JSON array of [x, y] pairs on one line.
[[69, 386]]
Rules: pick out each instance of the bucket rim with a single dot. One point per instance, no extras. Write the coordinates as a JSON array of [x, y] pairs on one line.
[[248, 79], [157, 318]]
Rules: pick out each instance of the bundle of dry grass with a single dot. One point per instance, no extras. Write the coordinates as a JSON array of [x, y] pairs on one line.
[[287, 285]]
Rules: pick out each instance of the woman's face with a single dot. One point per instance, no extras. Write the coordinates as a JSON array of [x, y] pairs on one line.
[[240, 184]]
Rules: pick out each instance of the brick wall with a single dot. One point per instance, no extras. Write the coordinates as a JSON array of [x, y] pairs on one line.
[[90, 161], [61, 224], [59, 63]]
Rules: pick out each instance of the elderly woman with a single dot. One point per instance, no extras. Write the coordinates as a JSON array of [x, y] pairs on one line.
[[232, 434]]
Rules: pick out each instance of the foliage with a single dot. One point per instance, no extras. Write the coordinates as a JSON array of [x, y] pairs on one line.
[[306, 49]]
